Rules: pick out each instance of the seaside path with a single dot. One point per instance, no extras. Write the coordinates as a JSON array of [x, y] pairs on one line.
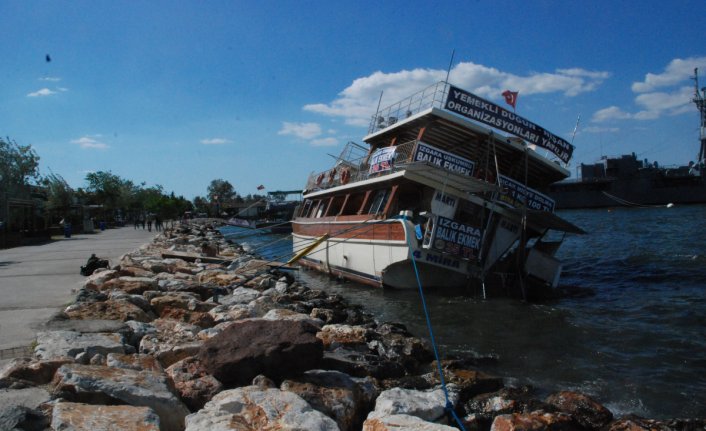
[[36, 281]]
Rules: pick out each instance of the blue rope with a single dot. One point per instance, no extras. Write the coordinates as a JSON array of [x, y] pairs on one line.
[[448, 407]]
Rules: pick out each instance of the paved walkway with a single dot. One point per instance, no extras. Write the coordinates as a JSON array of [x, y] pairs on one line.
[[38, 280]]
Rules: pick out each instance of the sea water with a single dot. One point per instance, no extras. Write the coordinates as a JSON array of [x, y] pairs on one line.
[[635, 339]]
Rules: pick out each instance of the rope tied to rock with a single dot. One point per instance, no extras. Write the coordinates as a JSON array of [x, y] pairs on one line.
[[449, 408]]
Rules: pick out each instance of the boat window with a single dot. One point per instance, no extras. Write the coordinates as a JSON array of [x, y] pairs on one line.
[[336, 205], [379, 201], [354, 202], [304, 210]]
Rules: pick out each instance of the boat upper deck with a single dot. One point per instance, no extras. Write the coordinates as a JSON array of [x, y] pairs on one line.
[[434, 121]]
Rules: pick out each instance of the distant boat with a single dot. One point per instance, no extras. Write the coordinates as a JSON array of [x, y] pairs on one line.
[[627, 181], [279, 211], [439, 198]]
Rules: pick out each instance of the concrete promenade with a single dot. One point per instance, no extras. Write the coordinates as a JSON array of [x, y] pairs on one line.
[[37, 281]]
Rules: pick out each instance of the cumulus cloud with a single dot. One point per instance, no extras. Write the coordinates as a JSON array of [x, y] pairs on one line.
[[675, 73], [596, 129], [663, 94], [216, 141], [42, 93], [324, 142], [610, 113], [356, 103], [90, 142], [300, 130]]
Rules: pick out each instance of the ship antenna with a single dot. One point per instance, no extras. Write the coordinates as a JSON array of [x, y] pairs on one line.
[[576, 127], [451, 62], [701, 106]]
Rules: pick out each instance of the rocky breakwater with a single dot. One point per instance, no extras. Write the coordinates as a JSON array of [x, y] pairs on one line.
[[190, 333]]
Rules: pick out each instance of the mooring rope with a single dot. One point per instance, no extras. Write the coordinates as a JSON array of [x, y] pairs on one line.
[[633, 204], [449, 406]]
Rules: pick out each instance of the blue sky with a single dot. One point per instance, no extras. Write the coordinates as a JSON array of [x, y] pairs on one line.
[[179, 93]]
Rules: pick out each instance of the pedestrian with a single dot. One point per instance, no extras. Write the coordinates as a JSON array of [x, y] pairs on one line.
[[149, 224], [137, 222], [157, 223], [143, 223]]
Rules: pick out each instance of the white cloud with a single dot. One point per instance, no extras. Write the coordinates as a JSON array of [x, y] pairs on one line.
[[50, 79], [356, 103], [42, 93], [300, 130], [90, 142], [610, 113], [324, 142], [674, 98], [216, 141], [675, 73], [596, 129]]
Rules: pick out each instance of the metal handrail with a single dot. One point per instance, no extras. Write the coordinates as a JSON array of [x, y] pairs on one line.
[[432, 96]]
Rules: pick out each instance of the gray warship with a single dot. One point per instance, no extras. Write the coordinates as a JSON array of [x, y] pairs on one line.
[[628, 181]]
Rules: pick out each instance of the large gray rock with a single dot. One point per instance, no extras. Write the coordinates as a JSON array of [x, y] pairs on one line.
[[86, 417], [250, 408], [172, 341], [20, 418], [58, 344], [427, 405], [95, 384], [277, 349], [336, 394]]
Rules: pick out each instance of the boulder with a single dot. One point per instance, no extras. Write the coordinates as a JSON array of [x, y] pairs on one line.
[[428, 405], [191, 382], [85, 417], [251, 408], [396, 344], [241, 295], [482, 409], [171, 342], [285, 314], [138, 362], [107, 310], [98, 278], [587, 412], [277, 349], [335, 394], [96, 384], [361, 364], [17, 417], [336, 335], [68, 344], [401, 422], [30, 371], [131, 285], [534, 421], [636, 423]]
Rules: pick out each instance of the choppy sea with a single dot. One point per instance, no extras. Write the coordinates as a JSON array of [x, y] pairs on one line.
[[635, 339]]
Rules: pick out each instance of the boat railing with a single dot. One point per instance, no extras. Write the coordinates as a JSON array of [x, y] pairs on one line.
[[432, 96], [356, 169]]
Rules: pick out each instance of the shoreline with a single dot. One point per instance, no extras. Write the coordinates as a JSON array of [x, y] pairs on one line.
[[184, 343]]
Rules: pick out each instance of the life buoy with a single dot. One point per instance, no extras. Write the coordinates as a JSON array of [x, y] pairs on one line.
[[345, 176], [331, 175], [319, 179]]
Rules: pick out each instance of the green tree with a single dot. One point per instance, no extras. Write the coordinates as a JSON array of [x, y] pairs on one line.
[[221, 191], [18, 165], [60, 195]]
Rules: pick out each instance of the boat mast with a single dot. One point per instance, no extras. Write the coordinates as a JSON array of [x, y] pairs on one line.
[[699, 96]]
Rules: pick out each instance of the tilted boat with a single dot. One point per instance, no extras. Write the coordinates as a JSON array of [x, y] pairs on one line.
[[439, 198]]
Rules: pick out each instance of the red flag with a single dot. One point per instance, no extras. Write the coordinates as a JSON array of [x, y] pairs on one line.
[[511, 97], [261, 187]]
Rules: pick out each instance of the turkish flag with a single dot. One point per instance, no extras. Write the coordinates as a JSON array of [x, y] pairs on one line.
[[511, 97]]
